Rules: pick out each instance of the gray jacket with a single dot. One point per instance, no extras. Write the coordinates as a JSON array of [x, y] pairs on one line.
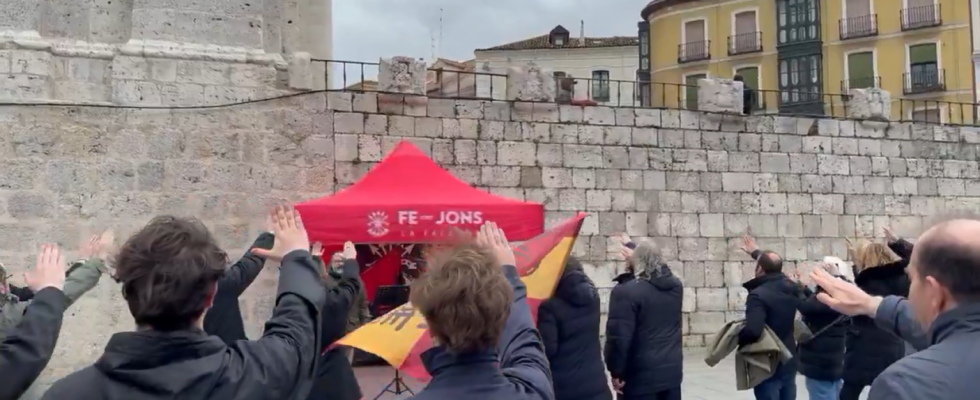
[[947, 366], [82, 277]]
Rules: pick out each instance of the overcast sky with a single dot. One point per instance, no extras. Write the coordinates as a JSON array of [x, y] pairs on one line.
[[365, 30]]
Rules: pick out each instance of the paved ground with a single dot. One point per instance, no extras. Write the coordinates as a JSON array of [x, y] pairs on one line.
[[700, 381]]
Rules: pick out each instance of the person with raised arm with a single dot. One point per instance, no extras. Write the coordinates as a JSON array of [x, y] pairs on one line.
[[169, 272], [941, 316], [224, 319], [485, 343], [26, 350]]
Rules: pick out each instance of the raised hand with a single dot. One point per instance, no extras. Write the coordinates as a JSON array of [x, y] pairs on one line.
[[290, 235], [317, 249], [49, 270], [843, 296], [89, 248], [624, 239], [889, 234], [626, 253], [748, 244], [350, 251], [107, 242], [492, 238]]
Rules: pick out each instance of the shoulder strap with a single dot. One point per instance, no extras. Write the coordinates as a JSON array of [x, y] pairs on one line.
[[825, 328]]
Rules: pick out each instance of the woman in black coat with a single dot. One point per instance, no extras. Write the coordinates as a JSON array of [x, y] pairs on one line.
[[569, 325], [822, 357], [870, 350]]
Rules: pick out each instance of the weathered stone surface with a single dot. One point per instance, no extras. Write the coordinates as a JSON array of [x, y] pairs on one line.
[[404, 75], [530, 83], [873, 103], [720, 95]]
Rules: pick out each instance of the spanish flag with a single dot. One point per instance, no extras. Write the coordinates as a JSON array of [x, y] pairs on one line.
[[400, 336]]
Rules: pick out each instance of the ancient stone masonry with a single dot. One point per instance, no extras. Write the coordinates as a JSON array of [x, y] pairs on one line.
[[692, 182]]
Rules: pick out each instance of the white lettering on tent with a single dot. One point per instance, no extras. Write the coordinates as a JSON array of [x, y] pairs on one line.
[[460, 218], [408, 218]]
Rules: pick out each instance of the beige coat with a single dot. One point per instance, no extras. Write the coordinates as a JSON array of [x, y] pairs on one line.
[[753, 363]]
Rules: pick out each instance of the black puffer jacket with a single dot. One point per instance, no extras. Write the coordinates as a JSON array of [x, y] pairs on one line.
[[569, 326], [870, 349], [643, 335], [822, 358]]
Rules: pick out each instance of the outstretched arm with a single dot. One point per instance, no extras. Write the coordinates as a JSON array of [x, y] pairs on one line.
[[240, 275], [895, 315], [28, 347], [82, 277], [522, 355]]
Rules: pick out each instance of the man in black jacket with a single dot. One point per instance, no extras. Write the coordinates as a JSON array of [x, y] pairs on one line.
[[643, 333], [28, 347], [224, 319], [169, 272], [772, 301]]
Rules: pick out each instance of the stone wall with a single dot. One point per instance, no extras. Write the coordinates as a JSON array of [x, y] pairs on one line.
[[692, 182]]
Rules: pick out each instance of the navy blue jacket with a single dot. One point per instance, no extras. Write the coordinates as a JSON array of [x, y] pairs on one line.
[[516, 370], [569, 324], [772, 301], [643, 335], [822, 357]]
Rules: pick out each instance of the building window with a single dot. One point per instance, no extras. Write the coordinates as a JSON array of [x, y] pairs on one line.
[[746, 37], [566, 87], [860, 71], [600, 86], [858, 20], [750, 78], [691, 90], [798, 21], [924, 74], [558, 36], [559, 41], [695, 46], [800, 79]]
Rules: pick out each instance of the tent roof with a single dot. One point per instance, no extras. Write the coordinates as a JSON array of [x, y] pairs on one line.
[[407, 176]]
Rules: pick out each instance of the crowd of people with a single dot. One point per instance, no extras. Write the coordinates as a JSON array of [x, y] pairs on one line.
[[904, 320]]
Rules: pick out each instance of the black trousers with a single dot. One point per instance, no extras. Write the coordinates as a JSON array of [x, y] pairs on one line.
[[671, 394], [851, 390]]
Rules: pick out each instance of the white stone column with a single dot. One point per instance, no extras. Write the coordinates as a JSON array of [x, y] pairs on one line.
[[870, 104], [530, 83], [318, 37], [720, 95]]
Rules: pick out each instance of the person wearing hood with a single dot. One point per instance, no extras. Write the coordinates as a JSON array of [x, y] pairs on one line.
[[169, 272], [772, 301], [335, 379], [870, 349], [569, 325], [643, 350], [224, 319]]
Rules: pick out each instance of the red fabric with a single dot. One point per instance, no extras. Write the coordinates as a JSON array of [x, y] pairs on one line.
[[404, 198], [383, 272]]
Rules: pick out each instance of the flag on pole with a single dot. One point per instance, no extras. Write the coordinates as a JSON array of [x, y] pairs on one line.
[[400, 336]]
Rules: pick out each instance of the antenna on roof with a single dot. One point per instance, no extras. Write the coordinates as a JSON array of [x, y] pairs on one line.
[[440, 31]]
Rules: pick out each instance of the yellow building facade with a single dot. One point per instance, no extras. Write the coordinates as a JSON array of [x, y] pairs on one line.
[[804, 55]]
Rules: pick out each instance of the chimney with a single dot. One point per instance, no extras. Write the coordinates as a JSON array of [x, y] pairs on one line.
[[581, 35]]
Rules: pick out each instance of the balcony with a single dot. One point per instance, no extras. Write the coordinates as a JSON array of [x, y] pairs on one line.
[[921, 17], [694, 51], [858, 27], [745, 43], [918, 82], [863, 82]]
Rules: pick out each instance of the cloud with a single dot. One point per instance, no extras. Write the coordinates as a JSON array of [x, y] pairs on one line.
[[366, 30]]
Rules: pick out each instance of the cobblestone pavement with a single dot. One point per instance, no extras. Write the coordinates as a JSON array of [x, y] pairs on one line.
[[700, 381]]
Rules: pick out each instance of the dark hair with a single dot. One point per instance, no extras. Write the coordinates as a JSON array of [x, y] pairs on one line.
[[168, 270], [953, 264], [738, 78], [770, 262], [464, 297], [572, 264]]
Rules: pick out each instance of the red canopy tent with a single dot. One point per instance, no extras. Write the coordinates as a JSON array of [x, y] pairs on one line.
[[408, 198]]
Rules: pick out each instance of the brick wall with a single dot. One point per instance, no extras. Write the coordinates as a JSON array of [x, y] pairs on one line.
[[691, 182]]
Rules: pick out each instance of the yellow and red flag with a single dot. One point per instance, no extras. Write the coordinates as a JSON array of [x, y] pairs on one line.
[[401, 336]]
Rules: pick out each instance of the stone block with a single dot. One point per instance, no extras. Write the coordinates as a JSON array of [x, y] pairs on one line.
[[530, 83], [720, 95], [400, 74], [870, 104]]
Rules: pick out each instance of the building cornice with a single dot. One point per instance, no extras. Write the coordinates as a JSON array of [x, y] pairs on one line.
[[657, 5]]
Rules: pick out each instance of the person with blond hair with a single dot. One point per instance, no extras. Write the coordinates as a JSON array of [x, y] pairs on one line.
[[475, 307], [870, 349], [643, 350]]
